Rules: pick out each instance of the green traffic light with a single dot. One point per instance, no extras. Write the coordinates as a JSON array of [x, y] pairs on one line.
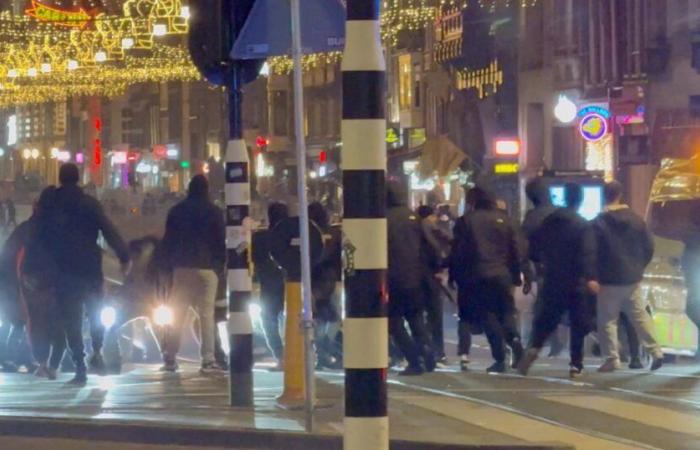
[[185, 164]]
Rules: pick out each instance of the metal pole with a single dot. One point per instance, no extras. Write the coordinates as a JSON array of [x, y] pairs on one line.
[[238, 239], [308, 321], [365, 329]]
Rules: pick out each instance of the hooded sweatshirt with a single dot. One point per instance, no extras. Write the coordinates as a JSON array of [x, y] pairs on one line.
[[624, 246]]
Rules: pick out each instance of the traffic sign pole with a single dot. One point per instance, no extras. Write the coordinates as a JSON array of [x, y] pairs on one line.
[[307, 321]]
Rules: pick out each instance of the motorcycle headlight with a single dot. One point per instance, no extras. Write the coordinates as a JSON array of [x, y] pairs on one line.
[[163, 316], [108, 316]]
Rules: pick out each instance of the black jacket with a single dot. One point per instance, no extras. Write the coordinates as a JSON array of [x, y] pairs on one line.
[[485, 246], [624, 246], [67, 228], [565, 247], [405, 267], [266, 269], [195, 236]]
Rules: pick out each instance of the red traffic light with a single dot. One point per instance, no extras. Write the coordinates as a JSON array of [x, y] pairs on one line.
[[323, 156], [261, 142]]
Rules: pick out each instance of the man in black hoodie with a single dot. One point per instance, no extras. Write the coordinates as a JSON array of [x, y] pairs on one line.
[[564, 247], [67, 228], [486, 264], [194, 248], [405, 276], [624, 247]]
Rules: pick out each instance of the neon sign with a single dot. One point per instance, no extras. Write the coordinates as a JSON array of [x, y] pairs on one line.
[[594, 109], [593, 127], [57, 16]]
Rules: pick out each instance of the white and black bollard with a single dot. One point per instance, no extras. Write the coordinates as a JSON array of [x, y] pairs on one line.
[[238, 239], [365, 329]]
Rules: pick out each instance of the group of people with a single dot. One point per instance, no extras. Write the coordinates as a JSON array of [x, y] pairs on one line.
[[590, 271]]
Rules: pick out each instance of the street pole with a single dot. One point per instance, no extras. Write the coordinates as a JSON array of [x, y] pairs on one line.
[[365, 329], [238, 239], [307, 321]]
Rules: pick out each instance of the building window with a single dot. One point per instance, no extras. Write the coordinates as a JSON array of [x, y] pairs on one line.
[[279, 113], [405, 82]]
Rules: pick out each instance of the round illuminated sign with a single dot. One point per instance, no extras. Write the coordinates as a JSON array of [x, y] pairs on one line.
[[593, 127]]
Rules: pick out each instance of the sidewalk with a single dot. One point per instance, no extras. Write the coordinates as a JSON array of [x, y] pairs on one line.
[[149, 407]]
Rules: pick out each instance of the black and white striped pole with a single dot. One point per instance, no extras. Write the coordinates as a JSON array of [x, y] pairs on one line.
[[365, 329], [238, 239]]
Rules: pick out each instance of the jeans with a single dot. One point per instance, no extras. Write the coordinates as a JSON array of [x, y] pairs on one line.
[[464, 328], [404, 307], [272, 306], [196, 288], [613, 300], [45, 328], [495, 310], [433, 308], [558, 299], [72, 295]]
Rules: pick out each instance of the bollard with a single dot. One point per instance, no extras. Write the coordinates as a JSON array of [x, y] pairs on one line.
[[365, 329], [285, 250], [294, 385]]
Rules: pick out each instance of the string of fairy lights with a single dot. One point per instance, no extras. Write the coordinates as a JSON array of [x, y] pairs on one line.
[[398, 16], [55, 51], [63, 48]]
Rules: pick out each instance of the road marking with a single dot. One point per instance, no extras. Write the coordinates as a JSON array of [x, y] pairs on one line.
[[518, 423], [653, 416], [659, 397]]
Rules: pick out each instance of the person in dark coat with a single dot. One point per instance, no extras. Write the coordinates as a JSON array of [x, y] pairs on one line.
[[487, 266], [565, 247], [624, 248], [405, 276], [194, 249], [325, 276], [68, 227], [271, 278], [538, 193]]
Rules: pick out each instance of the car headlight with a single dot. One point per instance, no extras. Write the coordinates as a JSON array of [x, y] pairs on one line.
[[163, 316], [108, 316]]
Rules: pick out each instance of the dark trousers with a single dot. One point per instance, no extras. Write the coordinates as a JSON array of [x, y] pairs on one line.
[[466, 318], [557, 300], [93, 307], [405, 308], [272, 306], [434, 309], [45, 328], [72, 298], [495, 310]]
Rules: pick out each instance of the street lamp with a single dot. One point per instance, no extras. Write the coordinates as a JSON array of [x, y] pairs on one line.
[[565, 110]]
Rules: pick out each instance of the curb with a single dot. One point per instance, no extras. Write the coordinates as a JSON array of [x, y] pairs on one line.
[[159, 434]]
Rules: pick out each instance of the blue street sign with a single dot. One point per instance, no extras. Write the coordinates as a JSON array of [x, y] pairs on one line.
[[268, 29]]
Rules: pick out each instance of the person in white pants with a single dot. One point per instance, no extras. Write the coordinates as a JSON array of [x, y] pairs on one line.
[[624, 247]]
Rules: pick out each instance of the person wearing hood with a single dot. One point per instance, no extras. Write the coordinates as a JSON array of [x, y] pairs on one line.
[[538, 194], [624, 247], [68, 228], [564, 247], [194, 249], [271, 278], [405, 276], [486, 265]]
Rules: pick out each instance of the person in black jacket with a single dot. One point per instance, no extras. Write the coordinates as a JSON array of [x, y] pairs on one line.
[[624, 247], [405, 277], [486, 264], [194, 248], [68, 226], [564, 247], [271, 278]]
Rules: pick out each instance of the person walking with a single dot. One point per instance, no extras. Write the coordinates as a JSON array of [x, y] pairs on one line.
[[68, 226], [404, 277], [564, 247], [624, 247], [538, 194], [194, 251], [487, 267], [271, 278], [434, 252]]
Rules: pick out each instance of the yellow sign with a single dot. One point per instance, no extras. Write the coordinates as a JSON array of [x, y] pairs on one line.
[[58, 16], [391, 136], [506, 168]]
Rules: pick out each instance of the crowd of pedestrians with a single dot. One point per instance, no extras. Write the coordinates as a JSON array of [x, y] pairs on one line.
[[583, 273]]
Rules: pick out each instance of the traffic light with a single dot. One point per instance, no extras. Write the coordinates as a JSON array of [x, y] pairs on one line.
[[214, 26]]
